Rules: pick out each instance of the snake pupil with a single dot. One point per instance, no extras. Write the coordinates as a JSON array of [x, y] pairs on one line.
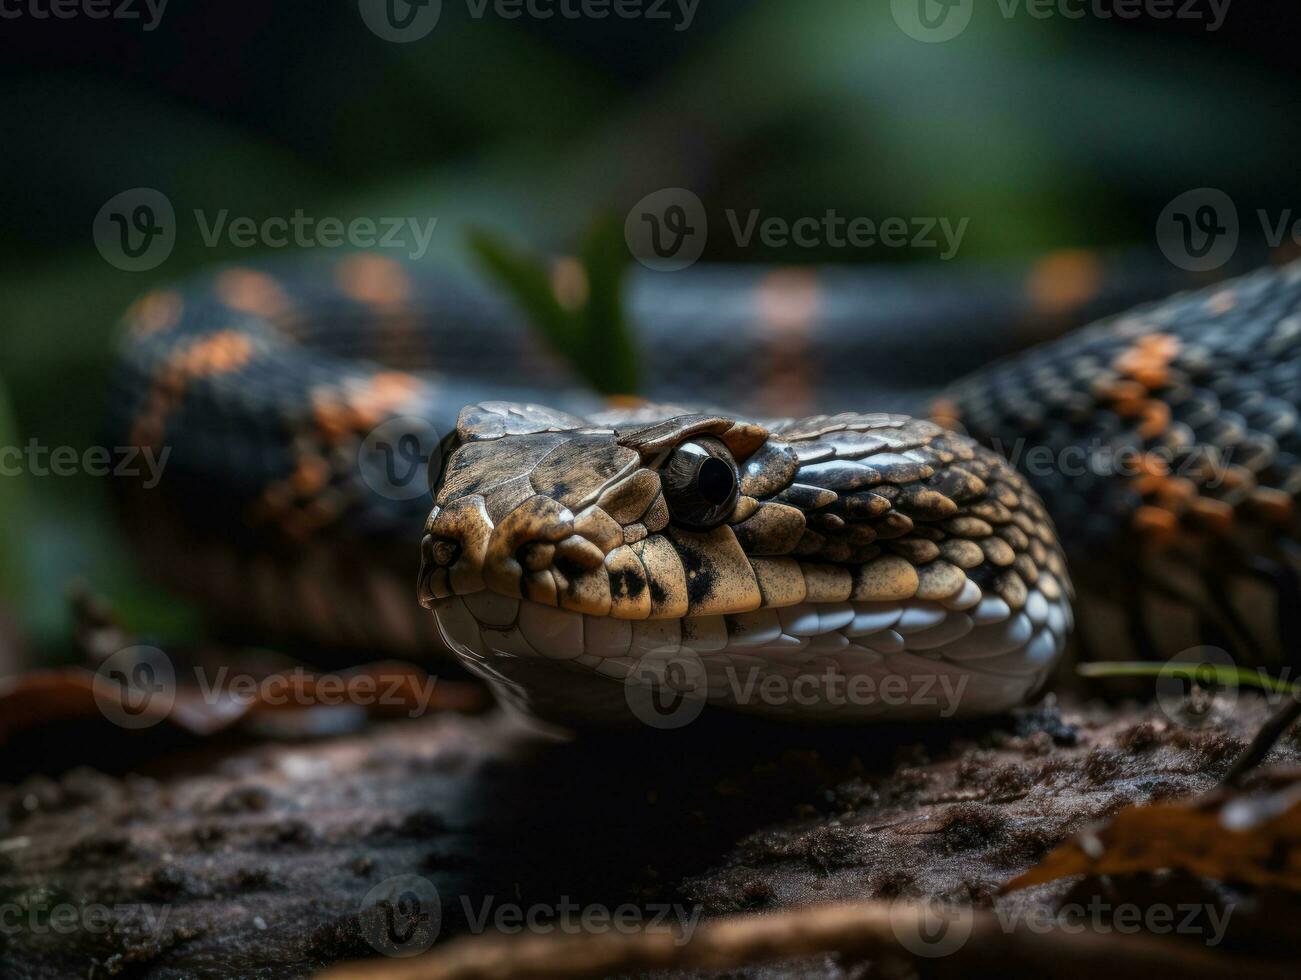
[[716, 481]]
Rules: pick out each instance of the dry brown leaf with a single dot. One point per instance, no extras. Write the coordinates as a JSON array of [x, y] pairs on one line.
[[1229, 836]]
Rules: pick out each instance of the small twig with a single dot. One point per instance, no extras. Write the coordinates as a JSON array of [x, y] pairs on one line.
[[1270, 732], [1228, 676], [975, 943]]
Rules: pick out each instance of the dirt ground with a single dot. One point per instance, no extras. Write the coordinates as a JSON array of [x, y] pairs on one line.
[[243, 858]]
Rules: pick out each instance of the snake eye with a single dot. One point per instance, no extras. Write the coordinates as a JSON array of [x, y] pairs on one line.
[[700, 484]]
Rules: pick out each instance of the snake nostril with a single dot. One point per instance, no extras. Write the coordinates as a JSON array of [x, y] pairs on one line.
[[445, 552]]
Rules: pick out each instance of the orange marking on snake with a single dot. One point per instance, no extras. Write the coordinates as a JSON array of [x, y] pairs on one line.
[[1064, 281], [1116, 389], [1222, 302], [946, 413], [217, 353], [384, 394], [373, 279], [339, 415], [1159, 527], [331, 415], [1274, 504], [1156, 419], [787, 302], [249, 291], [1216, 515], [1148, 360], [311, 476], [303, 502], [1152, 465], [154, 312]]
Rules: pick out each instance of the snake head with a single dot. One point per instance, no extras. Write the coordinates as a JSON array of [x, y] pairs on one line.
[[582, 514], [841, 541]]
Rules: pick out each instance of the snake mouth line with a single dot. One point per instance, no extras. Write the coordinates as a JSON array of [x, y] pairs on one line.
[[841, 662]]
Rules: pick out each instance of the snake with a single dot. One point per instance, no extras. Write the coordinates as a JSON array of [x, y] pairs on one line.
[[334, 431]]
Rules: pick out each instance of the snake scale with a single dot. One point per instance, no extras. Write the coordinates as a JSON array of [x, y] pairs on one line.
[[574, 547]]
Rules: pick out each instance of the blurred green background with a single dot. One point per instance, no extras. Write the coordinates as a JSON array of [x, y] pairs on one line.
[[1048, 133]]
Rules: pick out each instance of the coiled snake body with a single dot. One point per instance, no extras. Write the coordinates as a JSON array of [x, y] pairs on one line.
[[573, 547]]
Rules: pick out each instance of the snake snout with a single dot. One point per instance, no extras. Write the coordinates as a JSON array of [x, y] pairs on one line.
[[453, 550], [538, 551]]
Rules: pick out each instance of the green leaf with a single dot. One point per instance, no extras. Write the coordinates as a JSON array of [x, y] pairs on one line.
[[1225, 676], [593, 333], [525, 279], [607, 338]]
